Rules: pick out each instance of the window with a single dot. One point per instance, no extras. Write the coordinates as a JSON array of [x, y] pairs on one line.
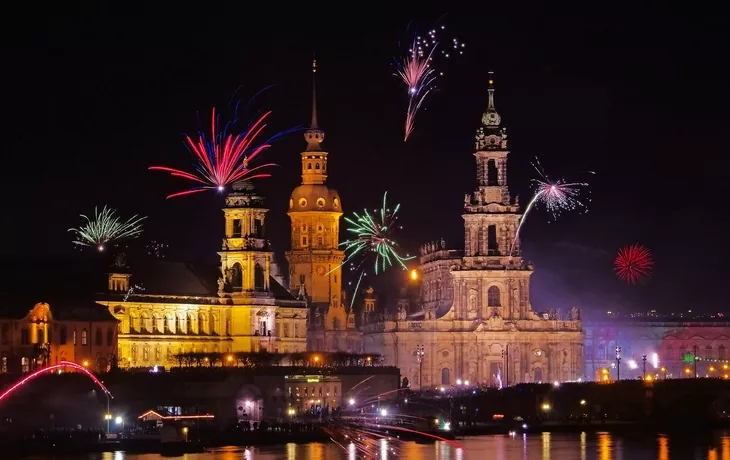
[[41, 335], [303, 202], [110, 337], [4, 365], [492, 245], [262, 327], [98, 338], [237, 278], [24, 336], [258, 277], [25, 364], [237, 228], [336, 203], [708, 352], [305, 242], [320, 202], [74, 336], [336, 323], [493, 299], [721, 352], [84, 337], [309, 165], [63, 336], [492, 173], [320, 241], [445, 377]]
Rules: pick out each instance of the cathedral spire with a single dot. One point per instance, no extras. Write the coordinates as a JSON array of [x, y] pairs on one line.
[[314, 136], [491, 118], [314, 94]]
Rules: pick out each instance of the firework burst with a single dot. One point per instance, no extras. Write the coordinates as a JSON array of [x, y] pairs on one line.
[[224, 157], [557, 197], [373, 241], [633, 263], [416, 69], [106, 227]]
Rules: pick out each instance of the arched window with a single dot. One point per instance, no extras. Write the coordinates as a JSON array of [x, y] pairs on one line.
[[98, 338], [237, 278], [537, 373], [316, 166], [708, 352], [146, 322], [492, 173], [493, 299], [309, 166], [84, 337], [258, 276], [721, 352], [63, 336], [110, 337], [445, 376]]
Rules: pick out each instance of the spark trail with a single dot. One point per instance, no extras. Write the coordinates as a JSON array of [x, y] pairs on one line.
[[106, 227]]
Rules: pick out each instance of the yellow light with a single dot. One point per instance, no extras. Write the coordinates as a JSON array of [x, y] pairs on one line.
[[604, 371], [316, 359], [107, 416], [491, 82], [664, 369], [546, 407], [185, 430], [712, 369], [292, 411], [648, 378], [605, 378], [582, 402], [414, 275], [687, 371], [229, 358], [724, 366], [85, 363]]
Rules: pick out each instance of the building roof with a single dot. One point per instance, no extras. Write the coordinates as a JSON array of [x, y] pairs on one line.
[[314, 197], [157, 276]]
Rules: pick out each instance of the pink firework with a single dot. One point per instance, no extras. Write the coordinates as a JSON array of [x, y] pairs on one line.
[[223, 158]]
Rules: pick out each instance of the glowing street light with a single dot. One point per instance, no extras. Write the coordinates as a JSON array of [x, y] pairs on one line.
[[414, 275], [352, 402]]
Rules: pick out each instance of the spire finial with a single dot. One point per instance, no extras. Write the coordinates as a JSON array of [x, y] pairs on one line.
[[314, 94], [491, 117]]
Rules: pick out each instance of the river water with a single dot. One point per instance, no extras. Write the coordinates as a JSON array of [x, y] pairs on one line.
[[545, 446]]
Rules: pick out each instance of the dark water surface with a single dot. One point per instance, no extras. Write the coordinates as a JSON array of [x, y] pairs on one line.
[[545, 446]]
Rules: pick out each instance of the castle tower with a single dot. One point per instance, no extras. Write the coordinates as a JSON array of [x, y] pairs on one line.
[[491, 218], [315, 211], [246, 256]]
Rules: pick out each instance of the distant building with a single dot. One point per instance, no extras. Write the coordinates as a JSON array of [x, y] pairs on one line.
[[168, 308], [670, 347], [315, 258], [84, 333], [477, 322]]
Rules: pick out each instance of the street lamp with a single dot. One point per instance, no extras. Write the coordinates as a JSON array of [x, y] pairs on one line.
[[420, 351], [643, 363], [618, 363]]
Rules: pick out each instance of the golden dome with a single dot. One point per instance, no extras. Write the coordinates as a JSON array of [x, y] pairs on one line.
[[314, 197]]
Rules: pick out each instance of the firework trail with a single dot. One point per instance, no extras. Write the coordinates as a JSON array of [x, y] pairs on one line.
[[416, 70], [373, 239], [557, 197], [633, 263], [225, 156], [106, 227]]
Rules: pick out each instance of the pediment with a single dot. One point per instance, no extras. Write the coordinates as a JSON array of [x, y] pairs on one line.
[[722, 337], [669, 337], [696, 337]]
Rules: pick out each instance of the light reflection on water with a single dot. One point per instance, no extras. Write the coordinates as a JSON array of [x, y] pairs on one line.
[[545, 446]]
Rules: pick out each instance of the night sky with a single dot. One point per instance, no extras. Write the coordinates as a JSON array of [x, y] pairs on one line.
[[639, 97]]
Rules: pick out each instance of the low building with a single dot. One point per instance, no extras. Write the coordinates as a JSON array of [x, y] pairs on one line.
[[82, 332], [312, 394], [668, 346]]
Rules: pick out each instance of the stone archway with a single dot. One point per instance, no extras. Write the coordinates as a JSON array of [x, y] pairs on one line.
[[249, 404]]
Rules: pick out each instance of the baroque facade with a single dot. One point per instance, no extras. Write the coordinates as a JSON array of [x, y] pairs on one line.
[[83, 333], [181, 308], [315, 258], [477, 322]]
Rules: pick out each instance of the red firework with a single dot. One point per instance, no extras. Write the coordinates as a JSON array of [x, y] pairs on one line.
[[633, 263], [223, 158]]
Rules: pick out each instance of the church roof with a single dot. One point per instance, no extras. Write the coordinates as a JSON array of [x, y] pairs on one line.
[[175, 278], [314, 197]]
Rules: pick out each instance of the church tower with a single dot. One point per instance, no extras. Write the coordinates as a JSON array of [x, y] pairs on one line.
[[315, 210], [491, 217], [245, 256]]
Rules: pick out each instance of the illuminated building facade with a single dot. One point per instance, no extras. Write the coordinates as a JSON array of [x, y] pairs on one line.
[[477, 323], [315, 258], [181, 308], [670, 347], [82, 333]]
